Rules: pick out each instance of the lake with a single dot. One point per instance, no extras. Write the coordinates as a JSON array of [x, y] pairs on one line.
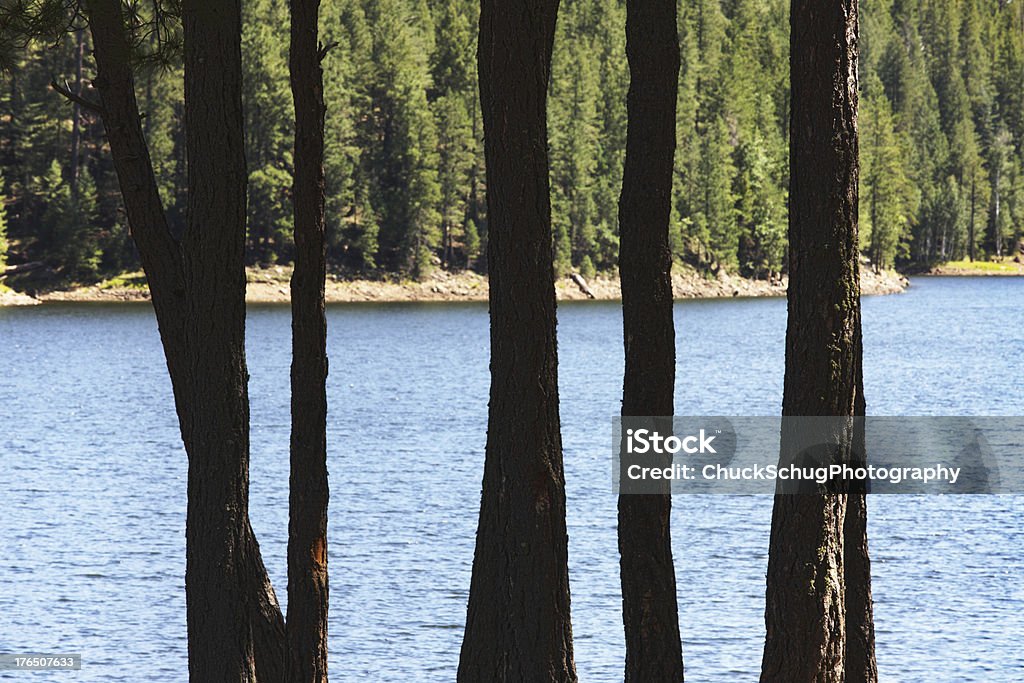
[[92, 527]]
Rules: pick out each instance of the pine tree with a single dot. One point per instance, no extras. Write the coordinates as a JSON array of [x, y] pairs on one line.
[[574, 129], [161, 99], [268, 113], [1008, 73], [77, 231], [760, 209], [707, 168], [351, 222], [613, 84], [1001, 158], [453, 84], [455, 152], [975, 61], [685, 237], [757, 152], [904, 74], [399, 143], [889, 199]]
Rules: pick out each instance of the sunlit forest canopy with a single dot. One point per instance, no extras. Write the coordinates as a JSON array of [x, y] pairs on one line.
[[941, 136]]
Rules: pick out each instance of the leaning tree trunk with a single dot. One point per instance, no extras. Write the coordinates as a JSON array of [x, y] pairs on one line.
[[518, 626], [163, 262], [805, 613], [159, 252], [649, 610], [860, 624], [307, 520]]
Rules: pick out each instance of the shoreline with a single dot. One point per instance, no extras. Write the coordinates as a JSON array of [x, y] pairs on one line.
[[271, 286]]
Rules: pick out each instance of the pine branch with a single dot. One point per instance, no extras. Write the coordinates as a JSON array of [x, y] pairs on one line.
[[83, 102], [324, 49]]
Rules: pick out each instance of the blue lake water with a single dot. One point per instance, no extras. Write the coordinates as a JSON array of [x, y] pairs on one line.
[[92, 485]]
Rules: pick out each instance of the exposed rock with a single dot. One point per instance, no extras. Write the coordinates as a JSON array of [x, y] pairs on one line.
[[270, 286]]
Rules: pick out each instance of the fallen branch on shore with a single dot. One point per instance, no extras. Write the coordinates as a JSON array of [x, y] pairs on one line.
[[582, 284], [23, 268]]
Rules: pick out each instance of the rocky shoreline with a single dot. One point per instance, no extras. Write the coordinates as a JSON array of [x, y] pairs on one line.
[[270, 286]]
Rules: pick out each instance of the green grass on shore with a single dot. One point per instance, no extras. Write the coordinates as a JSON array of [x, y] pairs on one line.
[[133, 280], [992, 267]]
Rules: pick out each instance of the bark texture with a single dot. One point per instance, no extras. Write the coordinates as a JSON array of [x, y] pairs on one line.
[[860, 623], [649, 610], [518, 625], [805, 613], [251, 620], [219, 542], [308, 493]]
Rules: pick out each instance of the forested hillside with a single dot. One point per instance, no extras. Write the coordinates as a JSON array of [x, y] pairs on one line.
[[941, 145]]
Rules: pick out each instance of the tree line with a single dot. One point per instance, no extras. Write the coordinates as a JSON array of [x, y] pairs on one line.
[[941, 124]]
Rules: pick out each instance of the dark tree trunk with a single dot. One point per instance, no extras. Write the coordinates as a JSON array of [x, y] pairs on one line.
[[76, 113], [649, 611], [997, 235], [970, 230], [860, 624], [518, 626], [307, 520], [217, 532], [163, 262], [805, 613]]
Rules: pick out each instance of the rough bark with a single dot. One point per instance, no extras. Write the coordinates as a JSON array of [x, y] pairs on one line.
[[805, 612], [649, 610], [860, 627], [213, 245], [163, 262], [308, 493], [518, 624]]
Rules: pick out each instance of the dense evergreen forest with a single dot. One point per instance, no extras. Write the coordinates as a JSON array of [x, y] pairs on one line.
[[941, 137]]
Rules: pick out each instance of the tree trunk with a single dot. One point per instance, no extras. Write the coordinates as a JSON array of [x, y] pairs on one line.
[[997, 232], [76, 113], [970, 232], [649, 610], [307, 520], [805, 612], [518, 625], [220, 644], [163, 263], [860, 625]]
